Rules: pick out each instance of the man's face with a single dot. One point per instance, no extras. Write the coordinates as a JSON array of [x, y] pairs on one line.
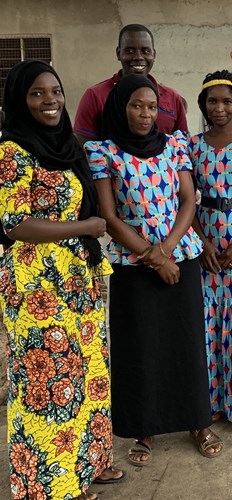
[[136, 52]]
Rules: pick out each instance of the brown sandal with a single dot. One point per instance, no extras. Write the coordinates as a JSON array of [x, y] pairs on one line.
[[206, 442]]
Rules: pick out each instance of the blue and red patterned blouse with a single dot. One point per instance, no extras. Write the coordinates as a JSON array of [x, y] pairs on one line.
[[146, 194]]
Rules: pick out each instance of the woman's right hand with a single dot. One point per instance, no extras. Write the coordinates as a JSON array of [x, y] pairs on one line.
[[95, 227], [209, 258]]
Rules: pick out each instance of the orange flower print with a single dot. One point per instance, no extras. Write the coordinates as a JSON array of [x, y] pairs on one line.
[[95, 452], [74, 283], [26, 253], [87, 331], [52, 179], [72, 305], [64, 441], [63, 392], [8, 167], [77, 210], [39, 365], [36, 491], [23, 460], [56, 339], [18, 490], [87, 309], [43, 198], [42, 304], [104, 351], [101, 426], [12, 297], [101, 465], [4, 278], [22, 196], [72, 365], [53, 216], [98, 388], [95, 292], [37, 395]]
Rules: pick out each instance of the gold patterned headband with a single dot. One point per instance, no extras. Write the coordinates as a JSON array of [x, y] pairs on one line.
[[216, 82]]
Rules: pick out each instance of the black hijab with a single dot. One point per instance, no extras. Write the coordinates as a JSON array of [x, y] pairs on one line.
[[55, 147], [115, 124]]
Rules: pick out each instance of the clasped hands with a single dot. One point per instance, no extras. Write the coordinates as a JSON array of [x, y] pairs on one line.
[[214, 261], [155, 257]]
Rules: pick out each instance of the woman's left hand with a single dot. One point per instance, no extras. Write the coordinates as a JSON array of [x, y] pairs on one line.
[[225, 258]]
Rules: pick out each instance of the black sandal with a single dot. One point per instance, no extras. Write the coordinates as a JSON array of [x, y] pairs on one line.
[[140, 448]]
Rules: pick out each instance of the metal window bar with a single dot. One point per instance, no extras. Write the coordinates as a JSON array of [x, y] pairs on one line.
[[16, 49]]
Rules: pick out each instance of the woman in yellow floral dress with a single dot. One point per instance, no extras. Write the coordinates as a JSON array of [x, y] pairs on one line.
[[59, 423]]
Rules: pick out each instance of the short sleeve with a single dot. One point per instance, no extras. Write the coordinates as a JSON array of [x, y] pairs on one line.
[[87, 116], [15, 179], [181, 150], [99, 159]]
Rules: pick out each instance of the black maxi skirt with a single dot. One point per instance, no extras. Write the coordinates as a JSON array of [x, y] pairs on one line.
[[158, 358]]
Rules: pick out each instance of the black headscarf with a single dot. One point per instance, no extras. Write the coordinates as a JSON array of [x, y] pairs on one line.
[[55, 147], [115, 123]]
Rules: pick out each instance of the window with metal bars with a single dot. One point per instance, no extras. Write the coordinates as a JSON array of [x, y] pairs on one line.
[[14, 49]]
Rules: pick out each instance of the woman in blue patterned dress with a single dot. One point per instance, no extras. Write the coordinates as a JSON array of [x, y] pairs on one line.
[[211, 155], [158, 359]]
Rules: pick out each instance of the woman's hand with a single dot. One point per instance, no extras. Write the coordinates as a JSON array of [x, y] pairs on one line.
[[153, 257], [225, 258], [169, 272], [165, 267], [95, 227], [209, 259]]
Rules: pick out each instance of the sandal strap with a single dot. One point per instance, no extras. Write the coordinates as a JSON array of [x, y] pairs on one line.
[[141, 443], [210, 440], [140, 448]]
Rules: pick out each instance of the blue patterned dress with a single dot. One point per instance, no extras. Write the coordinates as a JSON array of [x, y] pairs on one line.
[[213, 171], [159, 375]]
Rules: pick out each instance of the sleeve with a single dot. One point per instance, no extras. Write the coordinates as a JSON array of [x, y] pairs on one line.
[[87, 116], [15, 179], [181, 150], [98, 159], [181, 120]]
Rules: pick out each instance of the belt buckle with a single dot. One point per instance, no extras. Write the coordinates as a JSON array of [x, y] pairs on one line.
[[224, 204]]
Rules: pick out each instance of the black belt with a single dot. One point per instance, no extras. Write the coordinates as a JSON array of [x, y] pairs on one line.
[[221, 204]]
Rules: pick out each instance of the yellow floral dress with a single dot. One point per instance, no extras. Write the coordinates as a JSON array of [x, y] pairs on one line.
[[60, 434]]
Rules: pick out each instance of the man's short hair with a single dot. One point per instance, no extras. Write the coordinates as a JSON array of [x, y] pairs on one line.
[[134, 27]]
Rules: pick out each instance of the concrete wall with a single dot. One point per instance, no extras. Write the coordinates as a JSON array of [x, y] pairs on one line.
[[192, 38]]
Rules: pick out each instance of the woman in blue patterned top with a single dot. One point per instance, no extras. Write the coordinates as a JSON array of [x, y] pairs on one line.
[[159, 372], [211, 155]]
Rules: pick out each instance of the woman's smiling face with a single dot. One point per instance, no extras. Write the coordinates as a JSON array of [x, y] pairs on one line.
[[45, 99]]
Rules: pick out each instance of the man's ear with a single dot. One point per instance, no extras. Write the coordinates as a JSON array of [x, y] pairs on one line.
[[118, 53], [154, 53]]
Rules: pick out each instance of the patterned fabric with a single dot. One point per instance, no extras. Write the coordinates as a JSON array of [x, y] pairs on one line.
[[213, 171], [59, 393], [146, 194]]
